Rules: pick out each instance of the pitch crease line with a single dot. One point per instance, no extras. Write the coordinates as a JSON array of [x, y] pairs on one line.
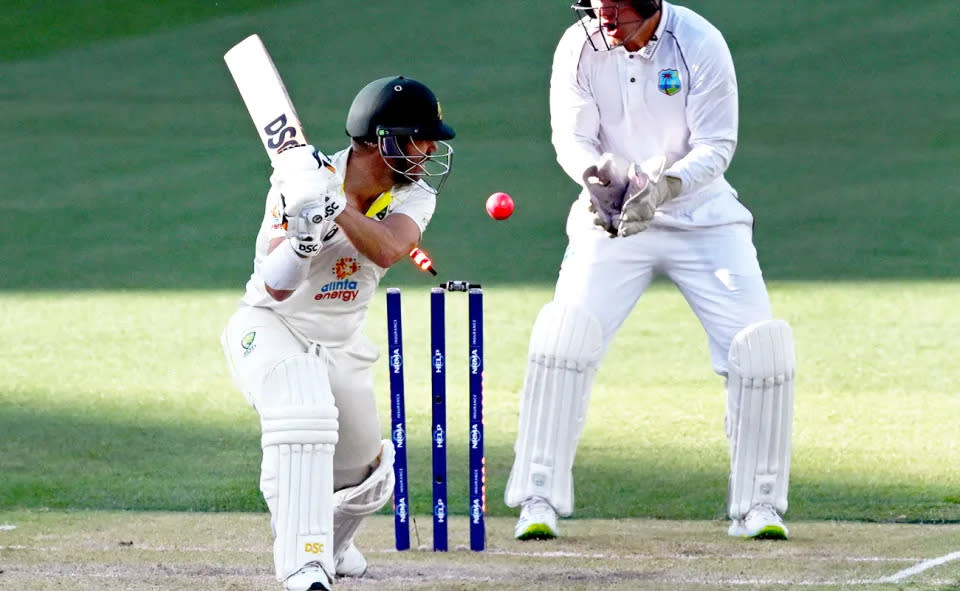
[[601, 556], [920, 567]]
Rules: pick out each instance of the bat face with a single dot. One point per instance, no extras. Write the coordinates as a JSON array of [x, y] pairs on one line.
[[265, 96], [278, 135]]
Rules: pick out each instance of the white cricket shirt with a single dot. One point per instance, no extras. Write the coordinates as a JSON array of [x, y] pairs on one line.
[[677, 96], [330, 306]]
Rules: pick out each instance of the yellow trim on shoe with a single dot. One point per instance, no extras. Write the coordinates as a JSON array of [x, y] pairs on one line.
[[771, 532], [537, 531]]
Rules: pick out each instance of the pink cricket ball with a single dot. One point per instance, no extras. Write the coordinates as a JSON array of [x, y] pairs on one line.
[[499, 206]]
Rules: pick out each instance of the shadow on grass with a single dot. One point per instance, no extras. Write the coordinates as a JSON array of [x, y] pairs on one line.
[[59, 461]]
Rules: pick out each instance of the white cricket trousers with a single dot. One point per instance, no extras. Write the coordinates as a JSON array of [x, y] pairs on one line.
[[255, 339], [714, 267]]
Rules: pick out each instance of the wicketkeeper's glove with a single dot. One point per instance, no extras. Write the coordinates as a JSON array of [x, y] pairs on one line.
[[606, 182], [647, 189]]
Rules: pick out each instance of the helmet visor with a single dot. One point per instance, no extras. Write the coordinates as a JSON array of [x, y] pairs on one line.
[[593, 25], [427, 169]]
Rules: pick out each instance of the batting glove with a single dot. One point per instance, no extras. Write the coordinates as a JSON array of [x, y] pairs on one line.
[[307, 230], [303, 179]]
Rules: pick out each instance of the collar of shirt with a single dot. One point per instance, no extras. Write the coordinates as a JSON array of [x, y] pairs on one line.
[[650, 49], [377, 209]]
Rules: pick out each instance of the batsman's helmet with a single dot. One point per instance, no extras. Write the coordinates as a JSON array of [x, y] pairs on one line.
[[391, 110], [402, 106]]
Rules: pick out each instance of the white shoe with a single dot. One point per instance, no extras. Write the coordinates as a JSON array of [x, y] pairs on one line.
[[310, 577], [762, 522], [538, 521], [351, 563]]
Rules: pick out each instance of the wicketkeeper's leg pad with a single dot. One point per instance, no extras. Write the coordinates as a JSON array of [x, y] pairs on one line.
[[298, 434], [354, 503], [566, 345], [760, 384]]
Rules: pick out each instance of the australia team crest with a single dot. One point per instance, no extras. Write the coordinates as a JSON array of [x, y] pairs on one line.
[[669, 82]]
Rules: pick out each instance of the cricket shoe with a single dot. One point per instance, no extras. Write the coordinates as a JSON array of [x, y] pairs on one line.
[[762, 522], [351, 563], [538, 521], [310, 577]]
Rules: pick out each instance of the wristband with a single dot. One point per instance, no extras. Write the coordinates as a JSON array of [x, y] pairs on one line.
[[284, 269]]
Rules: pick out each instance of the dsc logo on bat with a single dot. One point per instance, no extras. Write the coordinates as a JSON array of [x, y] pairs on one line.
[[280, 135]]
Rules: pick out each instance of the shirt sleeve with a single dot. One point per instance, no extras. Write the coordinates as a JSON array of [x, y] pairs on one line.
[[415, 203], [574, 116], [712, 115]]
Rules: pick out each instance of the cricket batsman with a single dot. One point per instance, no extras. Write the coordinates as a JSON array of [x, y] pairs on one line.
[[330, 231]]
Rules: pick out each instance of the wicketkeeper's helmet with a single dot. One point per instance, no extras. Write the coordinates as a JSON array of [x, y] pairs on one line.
[[645, 8], [583, 11], [389, 111]]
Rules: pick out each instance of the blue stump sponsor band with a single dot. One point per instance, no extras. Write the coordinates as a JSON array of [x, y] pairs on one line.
[[438, 379], [401, 502], [478, 477]]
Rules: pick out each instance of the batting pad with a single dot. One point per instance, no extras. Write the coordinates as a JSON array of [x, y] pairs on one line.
[[352, 504], [299, 432], [565, 349], [760, 384]]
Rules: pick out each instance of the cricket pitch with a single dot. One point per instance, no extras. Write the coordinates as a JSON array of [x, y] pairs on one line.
[[137, 551]]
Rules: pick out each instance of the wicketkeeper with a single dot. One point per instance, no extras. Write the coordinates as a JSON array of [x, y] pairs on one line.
[[643, 105], [295, 345]]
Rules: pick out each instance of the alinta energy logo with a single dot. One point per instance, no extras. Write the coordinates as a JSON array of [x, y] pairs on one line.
[[343, 288], [345, 267]]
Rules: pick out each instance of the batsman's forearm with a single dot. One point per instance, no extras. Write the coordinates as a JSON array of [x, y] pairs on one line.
[[283, 270], [381, 242]]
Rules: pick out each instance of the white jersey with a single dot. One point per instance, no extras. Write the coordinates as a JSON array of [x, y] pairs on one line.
[[677, 96], [330, 306]]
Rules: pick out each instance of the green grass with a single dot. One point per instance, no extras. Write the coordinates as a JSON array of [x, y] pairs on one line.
[[31, 28], [133, 185], [129, 405], [133, 153]]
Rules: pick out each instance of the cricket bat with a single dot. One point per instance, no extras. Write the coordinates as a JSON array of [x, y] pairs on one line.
[[275, 118], [265, 96]]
